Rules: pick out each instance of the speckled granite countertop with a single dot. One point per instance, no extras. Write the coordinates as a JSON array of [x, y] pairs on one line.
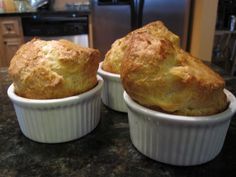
[[105, 152]]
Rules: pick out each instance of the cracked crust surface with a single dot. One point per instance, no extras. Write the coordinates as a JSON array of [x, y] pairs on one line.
[[159, 75], [53, 69], [113, 58]]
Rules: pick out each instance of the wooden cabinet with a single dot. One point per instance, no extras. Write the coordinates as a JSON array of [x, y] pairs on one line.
[[11, 37], [10, 46]]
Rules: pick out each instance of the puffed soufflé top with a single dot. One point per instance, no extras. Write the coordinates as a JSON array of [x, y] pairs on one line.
[[53, 69], [160, 75], [114, 56]]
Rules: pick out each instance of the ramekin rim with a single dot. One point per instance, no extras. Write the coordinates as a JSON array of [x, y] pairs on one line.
[[219, 117], [21, 100], [106, 74]]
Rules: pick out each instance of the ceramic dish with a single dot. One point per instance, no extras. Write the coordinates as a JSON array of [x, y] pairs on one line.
[[112, 92], [178, 140], [58, 120]]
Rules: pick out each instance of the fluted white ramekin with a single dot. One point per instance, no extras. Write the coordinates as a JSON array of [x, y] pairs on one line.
[[178, 140], [58, 120], [112, 92]]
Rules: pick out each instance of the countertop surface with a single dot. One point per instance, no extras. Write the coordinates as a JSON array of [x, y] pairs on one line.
[[105, 152]]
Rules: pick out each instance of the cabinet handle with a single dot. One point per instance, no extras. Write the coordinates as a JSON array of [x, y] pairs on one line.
[[11, 43], [9, 29]]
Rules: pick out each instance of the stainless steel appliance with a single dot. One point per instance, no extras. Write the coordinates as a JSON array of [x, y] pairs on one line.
[[41, 4], [113, 19], [68, 26]]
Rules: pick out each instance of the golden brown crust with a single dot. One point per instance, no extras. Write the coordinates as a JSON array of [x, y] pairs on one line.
[[53, 69], [160, 75], [114, 56]]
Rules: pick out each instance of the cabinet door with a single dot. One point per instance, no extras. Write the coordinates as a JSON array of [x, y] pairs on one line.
[[10, 47], [10, 27]]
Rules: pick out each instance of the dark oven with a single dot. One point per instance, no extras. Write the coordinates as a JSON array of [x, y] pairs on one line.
[[70, 26]]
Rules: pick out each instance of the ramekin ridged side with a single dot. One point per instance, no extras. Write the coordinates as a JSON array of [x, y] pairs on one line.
[[112, 92], [58, 120], [178, 140]]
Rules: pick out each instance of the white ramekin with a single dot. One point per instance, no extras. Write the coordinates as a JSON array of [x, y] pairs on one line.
[[58, 120], [178, 140], [112, 92]]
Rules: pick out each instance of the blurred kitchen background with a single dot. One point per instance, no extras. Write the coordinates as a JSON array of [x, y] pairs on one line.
[[206, 28]]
